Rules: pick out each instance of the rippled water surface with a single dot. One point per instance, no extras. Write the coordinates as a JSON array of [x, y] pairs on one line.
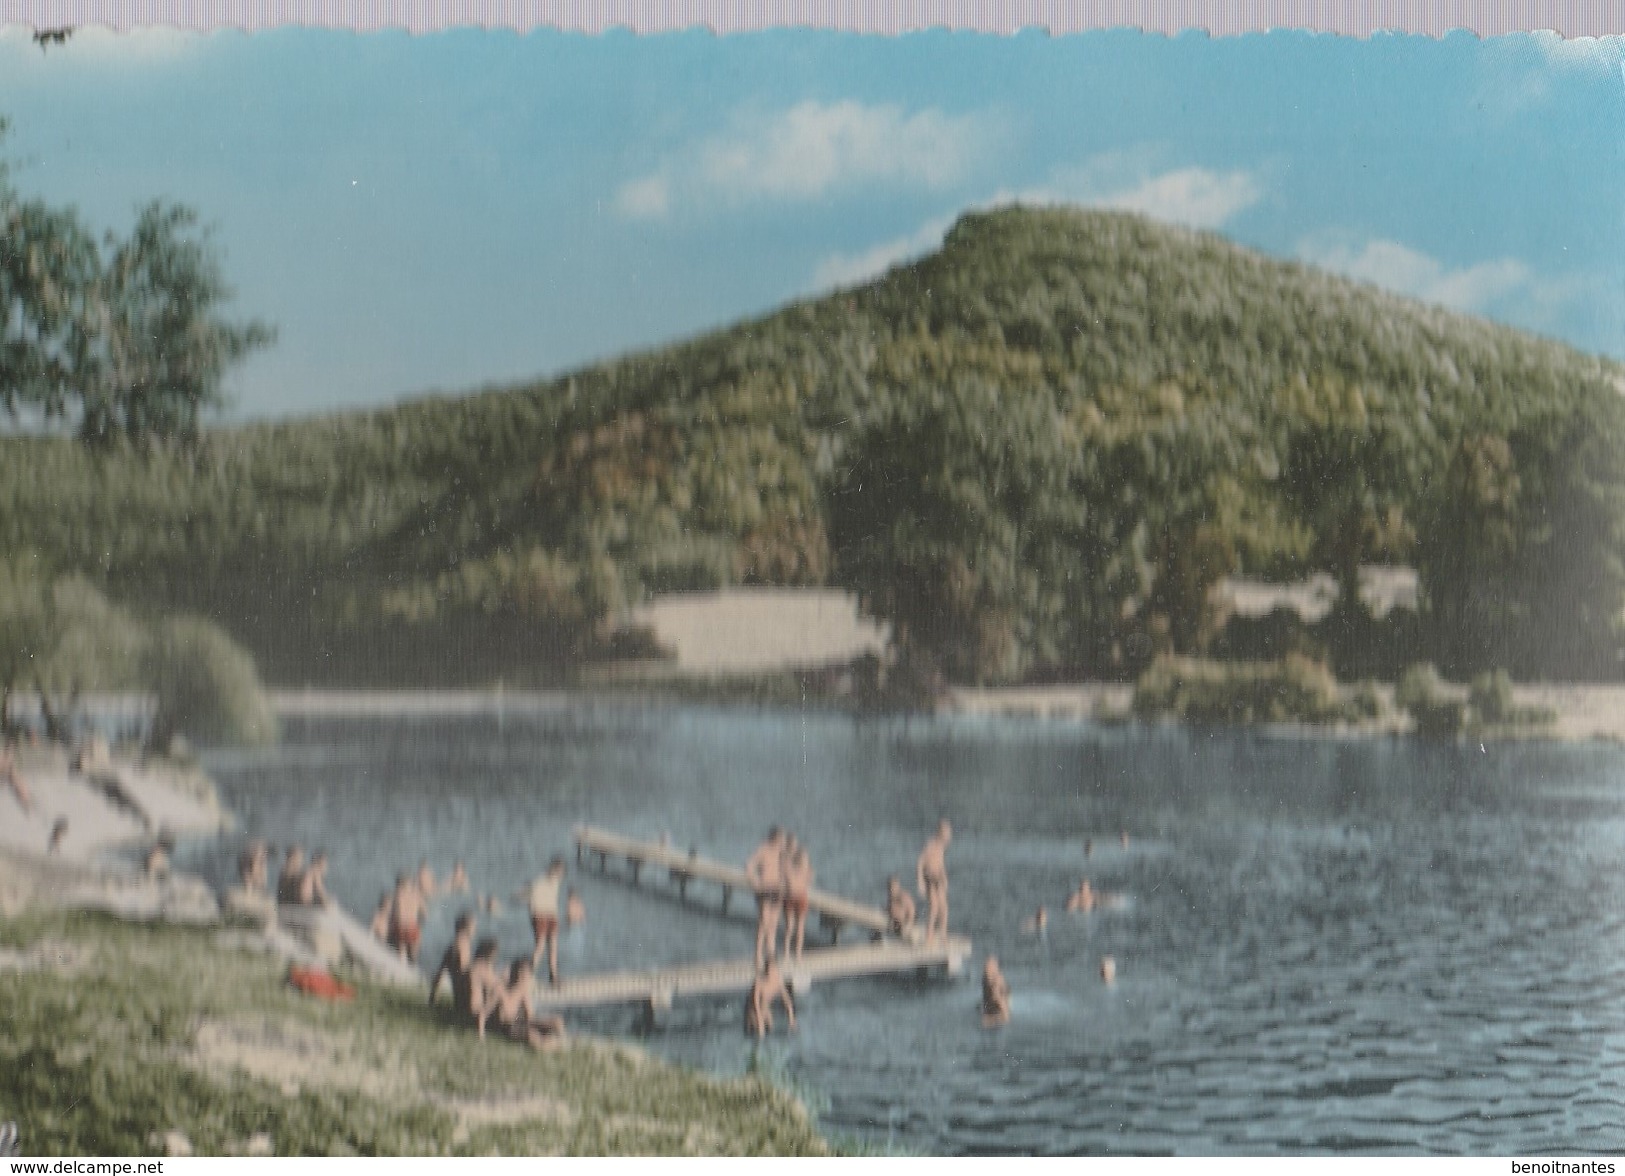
[[1324, 945]]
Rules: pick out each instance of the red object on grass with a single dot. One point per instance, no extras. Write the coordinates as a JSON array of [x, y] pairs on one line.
[[315, 982]]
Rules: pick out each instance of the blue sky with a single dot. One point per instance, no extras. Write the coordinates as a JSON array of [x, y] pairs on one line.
[[451, 210]]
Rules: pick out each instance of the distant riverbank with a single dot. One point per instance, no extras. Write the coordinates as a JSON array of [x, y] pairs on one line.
[[1583, 710]]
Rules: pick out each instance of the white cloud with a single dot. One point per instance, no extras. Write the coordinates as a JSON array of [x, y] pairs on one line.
[[1406, 271], [1196, 197], [812, 150], [850, 269], [1192, 196], [645, 199]]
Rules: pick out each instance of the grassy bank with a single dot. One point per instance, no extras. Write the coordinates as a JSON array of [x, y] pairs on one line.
[[118, 1034]]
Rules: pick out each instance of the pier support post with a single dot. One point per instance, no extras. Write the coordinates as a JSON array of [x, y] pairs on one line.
[[727, 894], [637, 868], [656, 1008]]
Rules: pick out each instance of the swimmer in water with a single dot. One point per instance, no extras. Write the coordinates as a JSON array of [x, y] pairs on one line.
[[995, 1005], [770, 988], [1038, 924], [1082, 900], [458, 884], [575, 911], [1108, 969]]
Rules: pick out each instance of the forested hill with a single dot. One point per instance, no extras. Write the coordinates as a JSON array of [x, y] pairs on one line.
[[1035, 451]]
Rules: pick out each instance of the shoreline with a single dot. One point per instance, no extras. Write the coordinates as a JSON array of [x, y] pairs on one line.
[[1585, 711]]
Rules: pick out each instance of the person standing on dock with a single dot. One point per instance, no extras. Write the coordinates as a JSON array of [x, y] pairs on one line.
[[931, 877], [765, 872], [798, 881], [543, 897]]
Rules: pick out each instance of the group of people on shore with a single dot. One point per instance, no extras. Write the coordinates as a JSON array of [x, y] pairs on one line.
[[481, 996]]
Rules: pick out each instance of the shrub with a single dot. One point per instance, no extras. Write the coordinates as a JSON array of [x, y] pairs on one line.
[[1490, 696], [1295, 689], [206, 686]]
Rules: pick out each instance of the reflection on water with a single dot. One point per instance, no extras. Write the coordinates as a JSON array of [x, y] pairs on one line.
[[1327, 944]]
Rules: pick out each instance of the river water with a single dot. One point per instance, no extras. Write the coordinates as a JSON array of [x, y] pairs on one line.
[[1323, 945]]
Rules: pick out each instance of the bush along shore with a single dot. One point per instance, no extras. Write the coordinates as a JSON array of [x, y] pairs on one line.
[[1301, 690]]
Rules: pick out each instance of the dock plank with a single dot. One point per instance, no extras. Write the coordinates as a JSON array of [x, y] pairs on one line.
[[832, 908], [660, 987]]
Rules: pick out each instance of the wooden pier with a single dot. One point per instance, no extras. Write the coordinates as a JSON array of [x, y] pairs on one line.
[[682, 868], [657, 988]]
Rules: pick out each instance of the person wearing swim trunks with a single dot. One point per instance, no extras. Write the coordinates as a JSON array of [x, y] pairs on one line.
[[899, 908], [798, 880], [765, 872], [406, 918], [543, 898], [512, 1006], [456, 964], [931, 877], [426, 882], [575, 911], [995, 995], [768, 988]]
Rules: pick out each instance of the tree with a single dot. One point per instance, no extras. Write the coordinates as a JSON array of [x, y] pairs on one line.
[[121, 341], [954, 520], [159, 350]]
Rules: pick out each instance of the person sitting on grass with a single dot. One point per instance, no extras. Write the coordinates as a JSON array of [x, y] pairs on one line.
[[995, 995], [456, 963], [293, 875], [483, 978], [313, 884], [512, 1007], [768, 988]]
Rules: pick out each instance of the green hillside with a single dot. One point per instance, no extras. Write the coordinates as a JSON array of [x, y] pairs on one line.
[[1034, 450]]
